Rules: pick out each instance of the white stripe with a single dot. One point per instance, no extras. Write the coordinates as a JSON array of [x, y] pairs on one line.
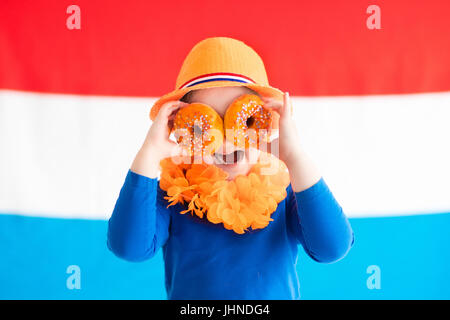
[[67, 156], [216, 77]]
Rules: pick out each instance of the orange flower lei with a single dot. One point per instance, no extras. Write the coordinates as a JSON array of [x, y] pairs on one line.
[[246, 201]]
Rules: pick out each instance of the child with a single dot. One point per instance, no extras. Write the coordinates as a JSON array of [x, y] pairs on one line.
[[210, 254]]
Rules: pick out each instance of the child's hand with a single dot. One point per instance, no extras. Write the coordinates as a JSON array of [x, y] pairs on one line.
[[157, 144], [158, 135], [288, 140], [302, 170]]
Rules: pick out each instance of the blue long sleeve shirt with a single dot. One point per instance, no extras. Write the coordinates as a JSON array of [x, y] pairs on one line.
[[206, 261]]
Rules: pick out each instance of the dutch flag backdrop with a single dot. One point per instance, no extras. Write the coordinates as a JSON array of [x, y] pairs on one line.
[[372, 107]]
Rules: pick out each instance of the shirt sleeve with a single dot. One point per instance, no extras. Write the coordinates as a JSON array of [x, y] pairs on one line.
[[139, 224], [318, 223]]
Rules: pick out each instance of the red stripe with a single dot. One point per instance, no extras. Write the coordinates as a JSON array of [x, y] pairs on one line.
[[309, 47], [218, 74]]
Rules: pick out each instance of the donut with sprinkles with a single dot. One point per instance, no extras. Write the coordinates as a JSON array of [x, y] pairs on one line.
[[198, 128], [247, 122]]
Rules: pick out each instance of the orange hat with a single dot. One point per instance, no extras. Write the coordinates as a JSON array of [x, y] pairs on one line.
[[220, 62]]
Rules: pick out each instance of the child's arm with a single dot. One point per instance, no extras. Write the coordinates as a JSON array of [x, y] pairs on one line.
[[139, 225], [318, 223], [315, 217]]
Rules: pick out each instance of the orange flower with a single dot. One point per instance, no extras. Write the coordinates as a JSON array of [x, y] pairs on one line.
[[247, 201]]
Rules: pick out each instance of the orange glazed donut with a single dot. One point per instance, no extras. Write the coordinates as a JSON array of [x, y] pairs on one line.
[[244, 113], [203, 129]]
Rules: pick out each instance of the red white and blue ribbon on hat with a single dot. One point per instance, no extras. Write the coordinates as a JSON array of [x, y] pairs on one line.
[[218, 76]]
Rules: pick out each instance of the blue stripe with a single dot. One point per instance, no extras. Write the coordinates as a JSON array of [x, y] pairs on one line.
[[411, 251], [216, 79]]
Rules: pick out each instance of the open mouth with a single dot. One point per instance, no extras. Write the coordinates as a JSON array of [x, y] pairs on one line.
[[229, 158]]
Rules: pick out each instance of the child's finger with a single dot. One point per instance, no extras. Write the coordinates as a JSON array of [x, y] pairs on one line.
[[173, 114], [167, 109], [270, 100], [275, 105], [267, 99], [287, 105]]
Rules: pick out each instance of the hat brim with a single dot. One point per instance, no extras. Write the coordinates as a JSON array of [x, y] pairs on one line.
[[264, 91]]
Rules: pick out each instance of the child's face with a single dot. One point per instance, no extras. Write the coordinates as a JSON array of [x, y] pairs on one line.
[[219, 99]]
